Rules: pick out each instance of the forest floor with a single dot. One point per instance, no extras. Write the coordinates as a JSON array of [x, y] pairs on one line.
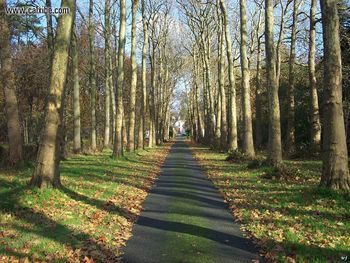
[[292, 220], [89, 219]]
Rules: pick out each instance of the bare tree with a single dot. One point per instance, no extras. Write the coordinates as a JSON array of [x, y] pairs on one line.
[[315, 132], [232, 114], [76, 93], [144, 74], [92, 75], [222, 91], [335, 170], [258, 88], [131, 131], [46, 172], [7, 81], [118, 143], [275, 147], [108, 73], [50, 33], [284, 10], [248, 143], [290, 134]]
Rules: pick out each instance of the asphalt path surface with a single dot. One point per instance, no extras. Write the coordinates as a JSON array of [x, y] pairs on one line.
[[184, 219]]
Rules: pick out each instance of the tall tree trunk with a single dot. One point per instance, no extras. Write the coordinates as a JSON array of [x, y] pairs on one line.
[[335, 171], [290, 135], [219, 86], [210, 90], [131, 131], [218, 120], [315, 133], [232, 136], [275, 148], [196, 71], [113, 100], [280, 39], [114, 69], [210, 127], [223, 138], [76, 94], [248, 143], [46, 173], [278, 51], [151, 97], [50, 36], [108, 74], [144, 73], [7, 79], [258, 93], [118, 144], [61, 133], [159, 92], [92, 75], [139, 130]]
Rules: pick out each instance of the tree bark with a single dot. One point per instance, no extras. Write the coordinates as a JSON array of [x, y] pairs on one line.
[[248, 143], [144, 73], [275, 148], [46, 173], [220, 64], [335, 171], [315, 133], [290, 134], [200, 125], [223, 138], [113, 101], [258, 93], [108, 74], [232, 136], [92, 75], [50, 36], [151, 95], [76, 94], [210, 133], [7, 80], [118, 144], [131, 130], [280, 41]]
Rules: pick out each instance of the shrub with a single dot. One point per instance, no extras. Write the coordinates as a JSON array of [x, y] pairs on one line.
[[282, 172], [257, 163], [237, 157]]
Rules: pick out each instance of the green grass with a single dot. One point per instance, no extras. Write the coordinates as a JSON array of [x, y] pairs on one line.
[[91, 215], [291, 219]]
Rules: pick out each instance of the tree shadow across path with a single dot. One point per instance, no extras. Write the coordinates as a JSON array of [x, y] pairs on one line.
[[185, 219], [90, 215], [198, 231]]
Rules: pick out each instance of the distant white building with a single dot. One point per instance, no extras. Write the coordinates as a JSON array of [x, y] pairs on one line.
[[179, 127]]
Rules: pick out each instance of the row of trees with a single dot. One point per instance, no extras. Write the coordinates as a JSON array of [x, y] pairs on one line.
[[220, 108], [113, 100], [122, 100]]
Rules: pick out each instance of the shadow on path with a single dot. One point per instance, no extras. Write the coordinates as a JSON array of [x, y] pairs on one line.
[[184, 219]]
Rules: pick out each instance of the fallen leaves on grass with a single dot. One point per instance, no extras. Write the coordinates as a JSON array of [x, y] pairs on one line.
[[291, 219], [88, 220]]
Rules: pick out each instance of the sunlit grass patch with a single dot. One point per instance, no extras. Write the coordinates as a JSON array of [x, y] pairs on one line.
[[291, 219], [91, 215]]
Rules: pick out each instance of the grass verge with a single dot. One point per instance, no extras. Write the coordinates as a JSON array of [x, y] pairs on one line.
[[90, 218], [291, 220]]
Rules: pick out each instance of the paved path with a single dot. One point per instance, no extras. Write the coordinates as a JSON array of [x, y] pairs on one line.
[[185, 219]]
